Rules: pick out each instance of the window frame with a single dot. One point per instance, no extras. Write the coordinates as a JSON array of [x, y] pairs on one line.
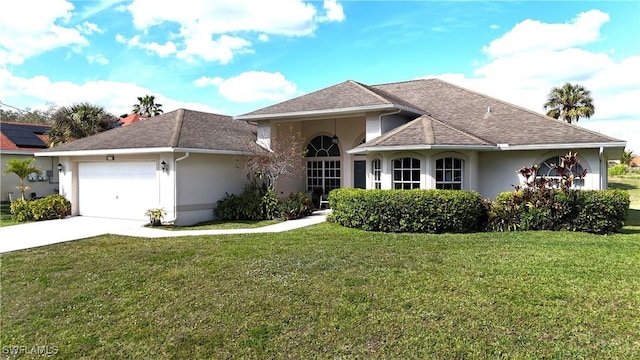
[[399, 178], [547, 170], [324, 165], [376, 172], [453, 183]]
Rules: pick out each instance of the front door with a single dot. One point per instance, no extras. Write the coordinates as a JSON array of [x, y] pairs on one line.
[[360, 174]]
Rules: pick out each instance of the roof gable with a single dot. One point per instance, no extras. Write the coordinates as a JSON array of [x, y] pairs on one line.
[[425, 132], [346, 95]]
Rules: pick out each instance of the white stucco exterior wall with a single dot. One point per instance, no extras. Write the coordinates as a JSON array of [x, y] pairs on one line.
[[202, 180], [498, 169], [43, 186]]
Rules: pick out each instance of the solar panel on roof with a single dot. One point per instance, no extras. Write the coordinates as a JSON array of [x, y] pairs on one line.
[[24, 135]]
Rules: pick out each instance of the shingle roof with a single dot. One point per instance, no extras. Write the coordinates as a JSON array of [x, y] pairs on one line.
[[181, 128], [26, 137], [488, 118], [425, 131], [348, 94], [467, 114]]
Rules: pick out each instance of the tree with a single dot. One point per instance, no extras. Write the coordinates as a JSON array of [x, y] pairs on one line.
[[28, 117], [627, 156], [283, 159], [147, 106], [22, 168], [78, 121], [569, 103]]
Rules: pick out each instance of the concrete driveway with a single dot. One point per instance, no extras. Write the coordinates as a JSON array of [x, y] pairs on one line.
[[39, 233]]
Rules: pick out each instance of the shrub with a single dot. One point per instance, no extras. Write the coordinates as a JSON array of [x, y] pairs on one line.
[[420, 211], [21, 211], [619, 169], [48, 208], [155, 216], [256, 202], [594, 211], [296, 206]]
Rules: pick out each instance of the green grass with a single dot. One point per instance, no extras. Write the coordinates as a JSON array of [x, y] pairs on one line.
[[5, 214], [328, 292], [630, 183]]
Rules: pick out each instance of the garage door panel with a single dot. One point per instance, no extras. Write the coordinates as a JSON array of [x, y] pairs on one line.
[[117, 190]]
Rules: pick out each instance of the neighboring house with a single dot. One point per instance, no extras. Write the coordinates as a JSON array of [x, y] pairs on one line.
[[427, 134], [417, 134], [635, 161], [128, 119], [182, 161], [22, 141]]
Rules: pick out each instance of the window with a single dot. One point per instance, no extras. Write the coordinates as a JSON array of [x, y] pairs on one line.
[[449, 173], [406, 173], [545, 169], [376, 166], [323, 173]]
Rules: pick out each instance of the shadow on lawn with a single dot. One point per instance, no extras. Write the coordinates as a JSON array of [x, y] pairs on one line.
[[633, 221]]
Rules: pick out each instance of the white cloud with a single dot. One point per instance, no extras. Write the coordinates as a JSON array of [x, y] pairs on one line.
[[494, 26], [116, 97], [98, 59], [208, 81], [213, 30], [88, 28], [532, 35], [21, 39], [253, 86], [161, 50], [525, 63], [221, 50], [334, 11]]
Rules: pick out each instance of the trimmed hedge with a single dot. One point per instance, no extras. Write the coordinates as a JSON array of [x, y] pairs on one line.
[[418, 211], [593, 211], [48, 208]]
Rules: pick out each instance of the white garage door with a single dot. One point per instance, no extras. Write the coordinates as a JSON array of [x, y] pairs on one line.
[[123, 190]]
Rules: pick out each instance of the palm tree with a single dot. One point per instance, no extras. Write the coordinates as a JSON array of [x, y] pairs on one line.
[[569, 103], [22, 168], [147, 106], [78, 121]]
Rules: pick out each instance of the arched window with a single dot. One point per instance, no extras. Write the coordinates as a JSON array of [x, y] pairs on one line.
[[545, 169], [376, 168], [449, 173], [323, 164], [406, 173]]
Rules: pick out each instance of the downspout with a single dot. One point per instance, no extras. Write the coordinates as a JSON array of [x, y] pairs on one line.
[[175, 186], [605, 176]]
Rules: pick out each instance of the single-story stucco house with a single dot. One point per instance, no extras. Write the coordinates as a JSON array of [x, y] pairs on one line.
[[21, 141], [415, 134]]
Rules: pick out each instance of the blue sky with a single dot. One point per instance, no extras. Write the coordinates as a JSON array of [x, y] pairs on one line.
[[235, 56]]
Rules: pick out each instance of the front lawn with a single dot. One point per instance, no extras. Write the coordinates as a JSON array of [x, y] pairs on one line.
[[5, 214], [630, 183], [328, 292]]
